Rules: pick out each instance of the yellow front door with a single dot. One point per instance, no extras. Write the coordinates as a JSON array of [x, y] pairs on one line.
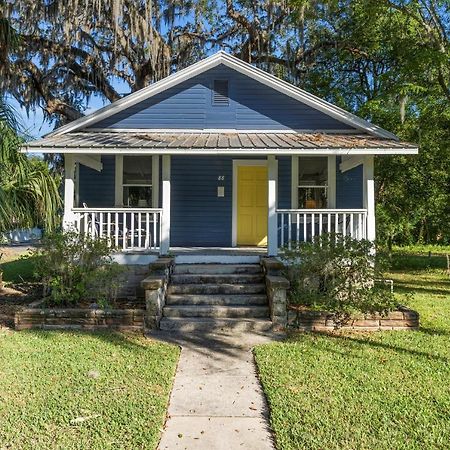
[[252, 205]]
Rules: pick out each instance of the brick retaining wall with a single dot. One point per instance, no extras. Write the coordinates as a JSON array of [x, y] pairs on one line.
[[401, 319], [78, 318]]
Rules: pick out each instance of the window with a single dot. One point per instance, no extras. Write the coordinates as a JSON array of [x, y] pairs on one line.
[[220, 93], [137, 181], [313, 182]]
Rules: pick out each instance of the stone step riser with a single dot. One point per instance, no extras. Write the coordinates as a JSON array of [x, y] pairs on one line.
[[217, 269], [213, 289], [216, 279], [217, 300], [217, 312], [193, 325]]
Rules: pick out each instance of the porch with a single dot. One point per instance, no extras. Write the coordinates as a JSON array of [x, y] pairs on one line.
[[149, 203]]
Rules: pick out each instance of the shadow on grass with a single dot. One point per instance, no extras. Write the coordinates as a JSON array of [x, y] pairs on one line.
[[374, 344], [417, 287], [407, 261], [128, 340], [21, 269]]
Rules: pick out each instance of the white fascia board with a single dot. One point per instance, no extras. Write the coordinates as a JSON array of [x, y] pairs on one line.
[[221, 151], [242, 67]]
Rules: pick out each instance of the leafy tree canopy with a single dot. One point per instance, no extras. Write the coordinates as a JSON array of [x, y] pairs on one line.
[[386, 60]]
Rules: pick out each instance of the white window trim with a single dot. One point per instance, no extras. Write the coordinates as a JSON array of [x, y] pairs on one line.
[[331, 197], [237, 163], [118, 196]]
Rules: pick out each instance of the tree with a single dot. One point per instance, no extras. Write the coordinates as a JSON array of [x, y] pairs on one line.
[[385, 60]]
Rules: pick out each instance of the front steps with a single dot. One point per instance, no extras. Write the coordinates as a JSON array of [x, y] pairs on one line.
[[216, 297]]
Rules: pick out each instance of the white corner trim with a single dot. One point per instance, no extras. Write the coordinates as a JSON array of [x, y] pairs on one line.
[[235, 64], [350, 162]]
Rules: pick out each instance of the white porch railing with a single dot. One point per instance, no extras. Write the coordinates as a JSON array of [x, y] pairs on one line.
[[125, 228], [301, 225]]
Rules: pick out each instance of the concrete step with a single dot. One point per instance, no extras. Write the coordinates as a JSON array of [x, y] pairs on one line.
[[217, 300], [212, 289], [214, 325], [191, 278], [217, 269], [217, 312]]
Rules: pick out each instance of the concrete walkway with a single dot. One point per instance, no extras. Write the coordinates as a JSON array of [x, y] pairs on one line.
[[217, 401]]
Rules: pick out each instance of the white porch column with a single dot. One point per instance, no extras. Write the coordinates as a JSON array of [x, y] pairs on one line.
[[369, 196], [69, 191], [165, 225], [272, 222]]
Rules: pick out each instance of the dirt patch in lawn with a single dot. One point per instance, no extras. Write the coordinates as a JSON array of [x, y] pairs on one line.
[[14, 297]]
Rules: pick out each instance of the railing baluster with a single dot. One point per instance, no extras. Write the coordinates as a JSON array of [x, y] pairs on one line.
[[282, 231], [124, 231], [298, 228], [312, 226], [344, 224], [156, 221], [139, 229], [132, 231], [289, 230], [304, 227], [100, 225], [320, 224], [92, 225], [329, 223], [116, 229], [351, 225]]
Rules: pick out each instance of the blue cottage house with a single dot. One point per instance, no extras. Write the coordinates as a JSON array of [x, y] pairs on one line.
[[220, 155]]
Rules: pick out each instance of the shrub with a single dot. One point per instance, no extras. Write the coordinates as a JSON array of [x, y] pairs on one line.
[[74, 267], [338, 274]]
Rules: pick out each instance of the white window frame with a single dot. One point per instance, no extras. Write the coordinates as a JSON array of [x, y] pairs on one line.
[[331, 179], [118, 196]]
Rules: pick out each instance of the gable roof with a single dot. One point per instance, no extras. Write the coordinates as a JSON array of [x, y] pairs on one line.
[[247, 69]]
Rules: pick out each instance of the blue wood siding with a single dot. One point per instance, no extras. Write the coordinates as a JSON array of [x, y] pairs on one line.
[[198, 216], [252, 105], [284, 182], [96, 189], [349, 187]]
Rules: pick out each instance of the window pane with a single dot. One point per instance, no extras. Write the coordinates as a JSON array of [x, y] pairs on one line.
[[137, 196], [309, 198], [137, 170], [312, 182]]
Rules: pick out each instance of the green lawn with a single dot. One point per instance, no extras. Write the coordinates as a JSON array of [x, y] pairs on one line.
[[386, 390], [64, 390]]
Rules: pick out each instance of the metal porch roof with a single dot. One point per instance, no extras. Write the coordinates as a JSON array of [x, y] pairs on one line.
[[216, 142]]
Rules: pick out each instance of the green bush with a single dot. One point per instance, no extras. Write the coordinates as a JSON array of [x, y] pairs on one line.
[[337, 274], [75, 267]]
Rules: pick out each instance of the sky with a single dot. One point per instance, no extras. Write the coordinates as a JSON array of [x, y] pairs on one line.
[[34, 124]]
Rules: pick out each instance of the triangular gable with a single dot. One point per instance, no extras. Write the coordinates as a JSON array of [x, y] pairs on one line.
[[103, 116]]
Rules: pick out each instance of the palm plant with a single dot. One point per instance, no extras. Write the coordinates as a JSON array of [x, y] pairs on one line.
[[29, 192]]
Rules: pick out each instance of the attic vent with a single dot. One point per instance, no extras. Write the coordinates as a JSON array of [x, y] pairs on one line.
[[220, 93]]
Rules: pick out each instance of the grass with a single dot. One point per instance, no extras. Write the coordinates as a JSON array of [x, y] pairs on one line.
[[18, 270], [367, 391], [67, 390]]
